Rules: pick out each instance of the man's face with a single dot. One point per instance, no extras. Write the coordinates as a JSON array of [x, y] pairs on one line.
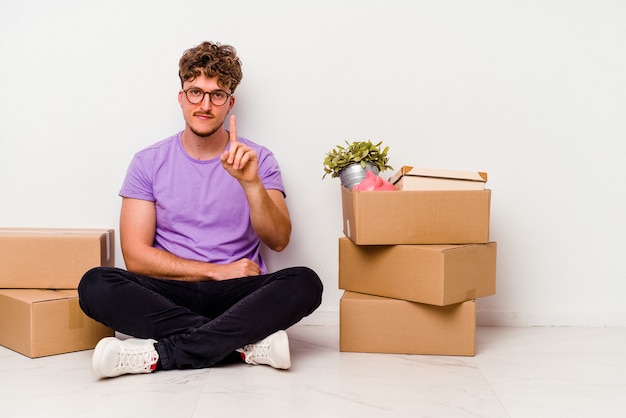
[[204, 118]]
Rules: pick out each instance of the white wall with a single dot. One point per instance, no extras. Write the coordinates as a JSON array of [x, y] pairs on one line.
[[533, 92]]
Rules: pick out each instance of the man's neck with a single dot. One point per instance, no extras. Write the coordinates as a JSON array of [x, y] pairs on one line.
[[204, 147]]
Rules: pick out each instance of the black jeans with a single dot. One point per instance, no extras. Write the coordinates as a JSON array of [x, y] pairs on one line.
[[198, 324]]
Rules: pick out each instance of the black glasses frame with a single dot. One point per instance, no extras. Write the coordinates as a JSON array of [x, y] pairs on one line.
[[211, 96]]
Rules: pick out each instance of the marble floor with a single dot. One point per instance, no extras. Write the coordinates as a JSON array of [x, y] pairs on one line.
[[517, 372]]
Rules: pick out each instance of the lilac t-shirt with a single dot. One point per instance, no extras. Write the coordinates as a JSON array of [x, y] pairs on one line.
[[201, 210]]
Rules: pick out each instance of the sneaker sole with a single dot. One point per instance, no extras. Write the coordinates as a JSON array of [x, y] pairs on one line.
[[96, 360]]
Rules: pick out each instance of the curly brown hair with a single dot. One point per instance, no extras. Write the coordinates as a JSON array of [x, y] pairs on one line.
[[211, 59]]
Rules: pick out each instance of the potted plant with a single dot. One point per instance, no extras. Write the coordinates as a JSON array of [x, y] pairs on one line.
[[351, 163]]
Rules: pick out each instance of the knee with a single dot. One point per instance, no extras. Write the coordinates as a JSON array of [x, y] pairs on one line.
[[312, 278], [86, 281], [89, 279], [91, 287], [84, 289], [310, 285]]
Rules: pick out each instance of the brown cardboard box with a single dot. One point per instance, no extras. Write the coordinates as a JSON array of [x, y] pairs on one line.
[[373, 324], [40, 323], [409, 178], [434, 274], [416, 217], [51, 258]]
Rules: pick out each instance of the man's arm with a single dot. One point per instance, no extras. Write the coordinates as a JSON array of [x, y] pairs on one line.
[[269, 216], [268, 211], [137, 231]]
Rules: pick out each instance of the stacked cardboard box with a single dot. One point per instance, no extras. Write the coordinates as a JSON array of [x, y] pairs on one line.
[[413, 263], [39, 273]]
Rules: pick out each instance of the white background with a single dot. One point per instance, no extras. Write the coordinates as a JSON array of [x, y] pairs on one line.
[[532, 92]]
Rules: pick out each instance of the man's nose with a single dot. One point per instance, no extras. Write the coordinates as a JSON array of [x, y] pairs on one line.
[[206, 101]]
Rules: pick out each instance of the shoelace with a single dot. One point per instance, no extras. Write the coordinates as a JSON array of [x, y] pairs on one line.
[[135, 359], [258, 351]]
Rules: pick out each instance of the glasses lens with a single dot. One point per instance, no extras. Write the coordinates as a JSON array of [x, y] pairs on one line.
[[194, 96], [218, 97]]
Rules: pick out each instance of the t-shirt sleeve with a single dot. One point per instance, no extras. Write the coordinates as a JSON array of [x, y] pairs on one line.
[[269, 171], [137, 183]]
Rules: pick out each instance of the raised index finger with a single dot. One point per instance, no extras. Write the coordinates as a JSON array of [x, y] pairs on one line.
[[233, 129]]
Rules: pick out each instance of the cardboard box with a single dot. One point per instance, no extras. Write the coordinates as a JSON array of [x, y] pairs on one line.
[[50, 258], [40, 323], [434, 274], [409, 178], [416, 217], [373, 324]]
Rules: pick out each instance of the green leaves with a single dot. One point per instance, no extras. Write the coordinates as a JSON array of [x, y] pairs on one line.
[[356, 152]]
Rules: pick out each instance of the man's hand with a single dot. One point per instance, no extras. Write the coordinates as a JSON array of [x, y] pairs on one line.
[[240, 268], [240, 160]]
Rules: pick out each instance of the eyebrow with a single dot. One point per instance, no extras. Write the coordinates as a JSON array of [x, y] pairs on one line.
[[206, 91]]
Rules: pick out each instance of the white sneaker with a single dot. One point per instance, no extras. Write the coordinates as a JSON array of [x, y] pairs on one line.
[[113, 357], [272, 350]]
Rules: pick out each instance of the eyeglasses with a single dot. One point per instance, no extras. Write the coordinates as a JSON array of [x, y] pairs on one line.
[[196, 96]]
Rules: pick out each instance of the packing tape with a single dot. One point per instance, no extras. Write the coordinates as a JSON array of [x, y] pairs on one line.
[[108, 244], [75, 315]]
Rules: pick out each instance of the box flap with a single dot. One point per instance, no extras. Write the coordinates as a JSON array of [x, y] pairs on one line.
[[439, 173], [39, 295], [54, 232]]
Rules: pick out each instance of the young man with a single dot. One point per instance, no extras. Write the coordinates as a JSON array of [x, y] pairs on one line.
[[196, 208]]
